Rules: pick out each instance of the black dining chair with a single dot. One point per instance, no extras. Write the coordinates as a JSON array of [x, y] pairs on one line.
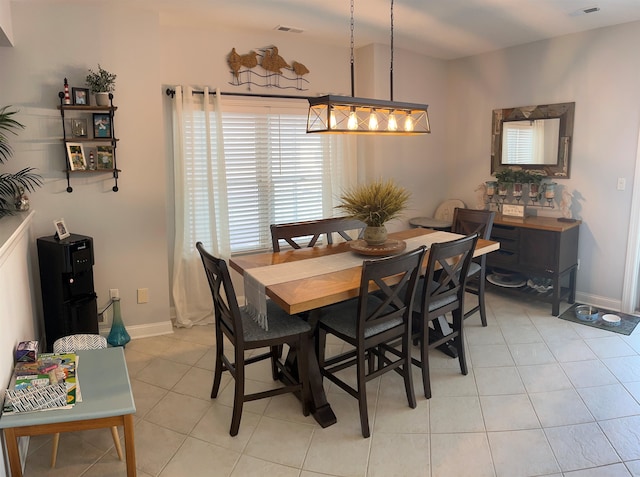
[[467, 222], [440, 292], [245, 334], [371, 321], [307, 234]]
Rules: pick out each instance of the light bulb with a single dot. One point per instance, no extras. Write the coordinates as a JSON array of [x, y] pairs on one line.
[[332, 120], [373, 121], [408, 123], [352, 123], [392, 124]]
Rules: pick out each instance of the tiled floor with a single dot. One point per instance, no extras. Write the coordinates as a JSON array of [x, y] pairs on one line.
[[543, 397]]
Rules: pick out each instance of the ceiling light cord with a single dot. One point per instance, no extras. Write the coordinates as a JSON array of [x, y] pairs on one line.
[[352, 44], [391, 64]]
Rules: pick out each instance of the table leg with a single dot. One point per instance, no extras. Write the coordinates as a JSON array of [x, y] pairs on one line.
[[129, 445], [11, 442], [441, 329], [319, 406]]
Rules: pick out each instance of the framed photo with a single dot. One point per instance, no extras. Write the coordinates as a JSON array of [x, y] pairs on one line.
[[79, 127], [75, 155], [101, 125], [61, 229], [80, 96], [105, 157]]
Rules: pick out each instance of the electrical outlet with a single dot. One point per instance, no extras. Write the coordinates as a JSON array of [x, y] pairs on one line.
[[143, 295], [114, 293]]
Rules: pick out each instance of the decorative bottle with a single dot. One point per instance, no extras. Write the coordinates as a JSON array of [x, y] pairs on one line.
[[118, 335], [67, 98]]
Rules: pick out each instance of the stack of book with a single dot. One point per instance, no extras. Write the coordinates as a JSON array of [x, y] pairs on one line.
[[50, 382]]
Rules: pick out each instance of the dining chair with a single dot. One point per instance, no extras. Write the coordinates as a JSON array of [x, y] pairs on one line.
[[71, 344], [467, 222], [245, 334], [369, 322], [441, 291], [312, 230]]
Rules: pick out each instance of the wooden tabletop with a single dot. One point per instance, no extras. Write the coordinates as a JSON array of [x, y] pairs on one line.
[[326, 289]]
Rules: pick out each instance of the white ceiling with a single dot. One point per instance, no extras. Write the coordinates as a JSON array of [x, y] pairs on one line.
[[439, 28], [444, 29]]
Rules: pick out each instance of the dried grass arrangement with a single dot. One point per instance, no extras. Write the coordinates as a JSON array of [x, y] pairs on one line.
[[375, 203]]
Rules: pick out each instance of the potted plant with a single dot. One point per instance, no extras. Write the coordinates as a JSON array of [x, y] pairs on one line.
[[101, 83], [375, 204], [12, 186]]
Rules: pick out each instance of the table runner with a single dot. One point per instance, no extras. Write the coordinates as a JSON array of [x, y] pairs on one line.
[[257, 279]]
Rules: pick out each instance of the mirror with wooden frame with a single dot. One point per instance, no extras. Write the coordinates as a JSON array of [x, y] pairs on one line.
[[536, 138]]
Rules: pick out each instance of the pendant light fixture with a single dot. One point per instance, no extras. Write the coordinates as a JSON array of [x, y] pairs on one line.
[[348, 114]]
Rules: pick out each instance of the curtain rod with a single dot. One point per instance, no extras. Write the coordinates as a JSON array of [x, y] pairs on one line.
[[172, 92]]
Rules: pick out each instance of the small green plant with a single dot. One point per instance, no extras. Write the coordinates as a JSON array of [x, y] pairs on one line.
[[523, 176], [101, 81], [375, 203], [10, 184]]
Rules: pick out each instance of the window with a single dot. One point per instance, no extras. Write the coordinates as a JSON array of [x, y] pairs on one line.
[[275, 172], [518, 142]]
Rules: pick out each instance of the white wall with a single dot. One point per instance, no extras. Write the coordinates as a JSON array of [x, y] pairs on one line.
[[599, 70], [128, 227]]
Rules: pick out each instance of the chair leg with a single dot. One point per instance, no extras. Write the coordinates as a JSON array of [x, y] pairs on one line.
[[362, 394], [116, 441], [238, 398], [276, 352], [458, 318], [217, 374], [406, 371], [483, 313], [54, 449], [424, 359]]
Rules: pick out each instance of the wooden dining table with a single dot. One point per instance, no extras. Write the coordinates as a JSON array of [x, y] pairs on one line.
[[314, 292]]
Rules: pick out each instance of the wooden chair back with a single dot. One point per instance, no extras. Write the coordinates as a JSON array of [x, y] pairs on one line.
[[225, 302], [472, 221], [307, 234]]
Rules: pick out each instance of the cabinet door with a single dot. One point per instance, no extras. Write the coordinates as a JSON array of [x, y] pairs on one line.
[[539, 249]]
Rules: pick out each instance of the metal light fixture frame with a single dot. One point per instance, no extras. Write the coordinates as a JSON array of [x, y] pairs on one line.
[[332, 114]]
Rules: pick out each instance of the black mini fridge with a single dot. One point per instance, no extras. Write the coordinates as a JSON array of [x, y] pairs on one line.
[[69, 300]]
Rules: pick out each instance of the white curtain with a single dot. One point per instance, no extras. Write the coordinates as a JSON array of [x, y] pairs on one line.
[[191, 293], [201, 191]]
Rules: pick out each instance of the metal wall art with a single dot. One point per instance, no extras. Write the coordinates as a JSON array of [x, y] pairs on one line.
[[274, 71]]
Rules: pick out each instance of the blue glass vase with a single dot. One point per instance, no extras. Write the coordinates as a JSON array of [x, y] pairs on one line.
[[118, 335]]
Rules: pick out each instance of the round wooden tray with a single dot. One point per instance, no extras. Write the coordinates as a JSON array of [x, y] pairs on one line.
[[390, 247]]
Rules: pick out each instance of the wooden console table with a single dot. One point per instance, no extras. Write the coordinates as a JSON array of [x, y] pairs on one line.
[[538, 247]]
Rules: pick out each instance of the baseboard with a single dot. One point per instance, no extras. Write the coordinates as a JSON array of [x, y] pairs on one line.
[[145, 331], [599, 301]]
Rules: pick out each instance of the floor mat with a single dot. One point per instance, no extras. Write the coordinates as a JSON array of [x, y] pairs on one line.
[[626, 326]]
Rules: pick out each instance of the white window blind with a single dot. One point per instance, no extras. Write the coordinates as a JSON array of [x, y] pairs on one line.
[[275, 172], [518, 143]]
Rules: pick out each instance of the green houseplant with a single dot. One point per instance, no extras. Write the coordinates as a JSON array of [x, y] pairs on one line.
[[11, 184], [101, 83], [375, 204]]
